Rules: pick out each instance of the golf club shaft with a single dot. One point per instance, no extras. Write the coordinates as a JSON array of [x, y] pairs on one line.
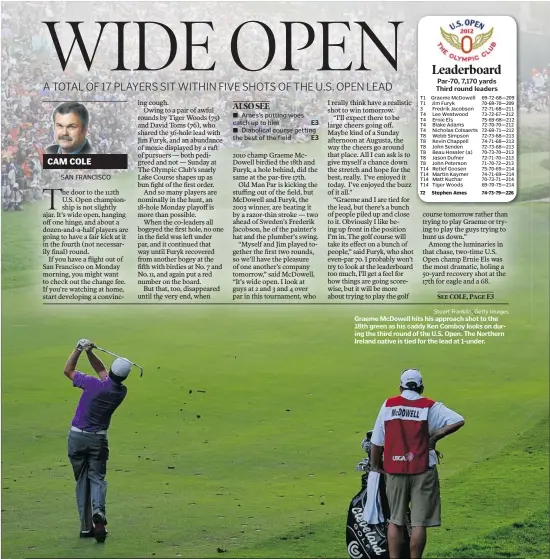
[[106, 351]]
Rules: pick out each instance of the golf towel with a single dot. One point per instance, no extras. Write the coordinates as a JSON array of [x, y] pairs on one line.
[[373, 513]]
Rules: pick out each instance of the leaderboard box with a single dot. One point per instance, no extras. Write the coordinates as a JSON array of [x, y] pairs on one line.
[[467, 109]]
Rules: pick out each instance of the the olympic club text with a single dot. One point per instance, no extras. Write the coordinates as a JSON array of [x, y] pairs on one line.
[[463, 39]]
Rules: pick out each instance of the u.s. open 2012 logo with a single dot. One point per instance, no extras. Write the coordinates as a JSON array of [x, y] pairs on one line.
[[467, 40]]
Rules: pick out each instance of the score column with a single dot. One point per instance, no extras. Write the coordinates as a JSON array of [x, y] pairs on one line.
[[467, 109]]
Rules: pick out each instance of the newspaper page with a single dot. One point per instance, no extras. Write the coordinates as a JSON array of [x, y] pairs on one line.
[[252, 229]]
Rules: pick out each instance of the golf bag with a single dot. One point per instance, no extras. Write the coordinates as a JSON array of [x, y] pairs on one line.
[[370, 541]]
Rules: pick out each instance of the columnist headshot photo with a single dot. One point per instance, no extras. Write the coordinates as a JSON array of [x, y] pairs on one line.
[[70, 127]]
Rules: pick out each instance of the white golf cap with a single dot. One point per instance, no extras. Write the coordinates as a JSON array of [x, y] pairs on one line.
[[121, 367], [411, 375]]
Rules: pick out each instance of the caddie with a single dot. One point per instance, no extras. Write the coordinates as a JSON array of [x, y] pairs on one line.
[[88, 445], [406, 432]]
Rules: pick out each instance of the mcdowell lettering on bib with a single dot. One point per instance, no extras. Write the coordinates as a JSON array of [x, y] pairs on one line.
[[405, 412]]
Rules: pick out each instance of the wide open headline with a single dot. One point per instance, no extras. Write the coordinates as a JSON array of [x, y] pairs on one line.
[[322, 35]]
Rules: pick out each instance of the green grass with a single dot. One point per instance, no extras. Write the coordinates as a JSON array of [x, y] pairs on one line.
[[533, 133], [533, 159], [526, 538], [534, 176], [19, 233], [267, 470]]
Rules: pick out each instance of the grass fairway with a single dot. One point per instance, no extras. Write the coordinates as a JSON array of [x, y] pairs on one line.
[[245, 430]]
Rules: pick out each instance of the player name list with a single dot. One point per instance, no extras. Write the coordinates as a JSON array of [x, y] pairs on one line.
[[467, 109]]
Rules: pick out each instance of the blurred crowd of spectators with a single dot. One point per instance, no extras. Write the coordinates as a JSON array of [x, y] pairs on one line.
[[534, 92], [28, 63]]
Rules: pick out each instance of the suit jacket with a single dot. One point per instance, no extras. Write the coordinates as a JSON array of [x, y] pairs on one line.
[[86, 148]]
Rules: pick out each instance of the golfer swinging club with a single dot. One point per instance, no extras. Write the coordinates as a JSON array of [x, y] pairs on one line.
[[88, 444]]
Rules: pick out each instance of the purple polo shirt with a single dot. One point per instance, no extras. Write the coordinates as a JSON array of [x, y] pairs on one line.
[[99, 400]]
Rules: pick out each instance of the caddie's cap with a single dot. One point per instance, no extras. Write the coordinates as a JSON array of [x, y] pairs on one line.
[[121, 367], [411, 375]]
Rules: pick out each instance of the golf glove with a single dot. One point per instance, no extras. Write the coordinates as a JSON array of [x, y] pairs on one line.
[[84, 344]]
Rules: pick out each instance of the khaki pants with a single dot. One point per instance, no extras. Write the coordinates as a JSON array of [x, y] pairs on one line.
[[420, 492]]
